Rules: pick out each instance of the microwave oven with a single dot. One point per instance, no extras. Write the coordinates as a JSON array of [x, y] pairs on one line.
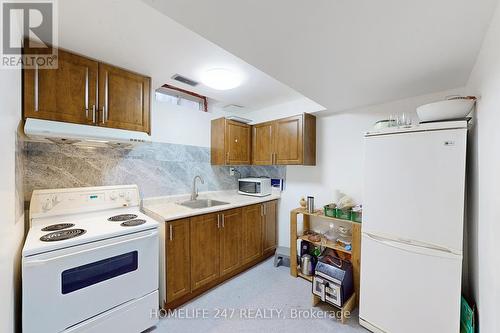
[[259, 187]]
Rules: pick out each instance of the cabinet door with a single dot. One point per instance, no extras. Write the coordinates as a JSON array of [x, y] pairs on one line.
[[177, 259], [230, 242], [205, 238], [67, 93], [124, 99], [288, 140], [262, 144], [270, 226], [237, 143], [252, 232]]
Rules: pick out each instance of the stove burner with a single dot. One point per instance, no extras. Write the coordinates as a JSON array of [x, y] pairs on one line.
[[62, 235], [122, 217], [132, 223], [58, 226]]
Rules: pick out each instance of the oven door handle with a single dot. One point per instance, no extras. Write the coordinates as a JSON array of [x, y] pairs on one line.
[[37, 262]]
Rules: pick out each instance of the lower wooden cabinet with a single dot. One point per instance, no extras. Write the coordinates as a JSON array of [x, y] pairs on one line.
[[230, 240], [177, 259], [252, 232], [204, 250], [205, 258], [270, 234]]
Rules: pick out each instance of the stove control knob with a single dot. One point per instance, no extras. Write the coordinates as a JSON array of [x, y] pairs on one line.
[[113, 196], [128, 196], [47, 205]]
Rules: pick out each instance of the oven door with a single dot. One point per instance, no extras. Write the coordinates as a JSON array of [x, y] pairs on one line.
[[65, 287]]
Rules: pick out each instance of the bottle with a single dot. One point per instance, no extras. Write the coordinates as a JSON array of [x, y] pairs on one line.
[[310, 204]]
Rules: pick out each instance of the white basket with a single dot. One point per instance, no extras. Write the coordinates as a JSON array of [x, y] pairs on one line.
[[445, 110]]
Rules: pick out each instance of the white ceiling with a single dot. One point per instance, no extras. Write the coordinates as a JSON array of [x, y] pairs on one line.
[[131, 34], [346, 53]]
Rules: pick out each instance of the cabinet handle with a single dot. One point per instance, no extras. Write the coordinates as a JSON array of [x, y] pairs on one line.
[[86, 92], [170, 231], [93, 114], [261, 210], [218, 221], [222, 220], [265, 209], [36, 87]]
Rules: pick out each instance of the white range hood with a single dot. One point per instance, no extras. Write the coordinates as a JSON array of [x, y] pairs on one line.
[[60, 132]]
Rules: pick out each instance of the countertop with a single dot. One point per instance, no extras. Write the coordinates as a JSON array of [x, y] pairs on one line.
[[167, 208]]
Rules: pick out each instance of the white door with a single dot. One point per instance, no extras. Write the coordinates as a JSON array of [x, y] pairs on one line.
[[409, 289], [414, 187], [65, 287]]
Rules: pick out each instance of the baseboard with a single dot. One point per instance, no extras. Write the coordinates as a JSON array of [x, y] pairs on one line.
[[370, 327]]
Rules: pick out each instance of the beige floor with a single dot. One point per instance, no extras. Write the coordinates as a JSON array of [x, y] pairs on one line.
[[262, 299]]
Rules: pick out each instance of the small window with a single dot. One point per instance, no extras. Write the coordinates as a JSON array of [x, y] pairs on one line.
[[181, 97]]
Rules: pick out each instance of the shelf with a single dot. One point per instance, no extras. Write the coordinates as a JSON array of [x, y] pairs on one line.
[[345, 310], [306, 277], [319, 213], [327, 243]]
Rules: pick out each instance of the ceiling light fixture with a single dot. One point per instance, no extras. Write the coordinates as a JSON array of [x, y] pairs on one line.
[[221, 79]]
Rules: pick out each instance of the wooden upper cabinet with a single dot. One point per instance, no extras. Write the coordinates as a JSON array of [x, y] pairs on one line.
[[124, 99], [262, 144], [252, 232], [285, 141], [270, 232], [177, 259], [205, 242], [288, 138], [230, 240], [85, 91], [67, 93], [230, 142]]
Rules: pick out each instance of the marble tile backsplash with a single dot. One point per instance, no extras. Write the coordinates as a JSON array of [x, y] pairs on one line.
[[158, 168]]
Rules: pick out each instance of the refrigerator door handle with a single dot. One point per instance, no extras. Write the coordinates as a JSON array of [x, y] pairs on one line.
[[411, 247]]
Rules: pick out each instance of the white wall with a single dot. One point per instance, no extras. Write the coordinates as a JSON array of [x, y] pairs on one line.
[[484, 193], [12, 222], [339, 157], [175, 124]]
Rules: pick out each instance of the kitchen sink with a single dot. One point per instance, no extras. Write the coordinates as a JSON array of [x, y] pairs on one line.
[[202, 203]]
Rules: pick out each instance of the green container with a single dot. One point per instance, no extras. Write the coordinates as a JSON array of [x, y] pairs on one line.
[[467, 324], [343, 214], [330, 212], [356, 216]]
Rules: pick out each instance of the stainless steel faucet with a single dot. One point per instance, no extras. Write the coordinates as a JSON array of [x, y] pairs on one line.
[[194, 192]]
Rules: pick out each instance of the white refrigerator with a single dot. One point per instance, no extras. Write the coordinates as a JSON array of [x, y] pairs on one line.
[[412, 231]]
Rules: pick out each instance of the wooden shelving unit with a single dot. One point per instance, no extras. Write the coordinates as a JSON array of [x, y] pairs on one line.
[[354, 254], [345, 311]]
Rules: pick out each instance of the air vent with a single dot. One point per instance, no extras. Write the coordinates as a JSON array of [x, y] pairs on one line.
[[185, 80]]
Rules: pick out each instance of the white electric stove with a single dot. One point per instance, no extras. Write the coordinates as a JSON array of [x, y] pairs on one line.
[[90, 262]]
